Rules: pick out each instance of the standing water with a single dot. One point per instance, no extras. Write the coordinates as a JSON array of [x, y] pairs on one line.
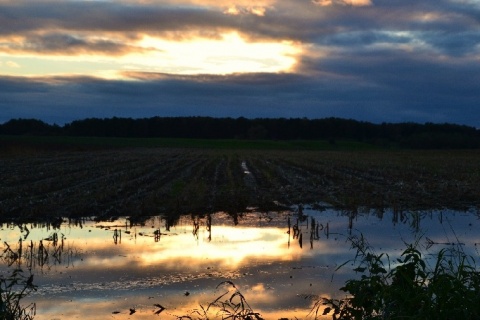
[[280, 261]]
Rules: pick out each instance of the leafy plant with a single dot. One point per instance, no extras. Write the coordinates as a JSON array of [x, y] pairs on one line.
[[408, 289], [12, 290]]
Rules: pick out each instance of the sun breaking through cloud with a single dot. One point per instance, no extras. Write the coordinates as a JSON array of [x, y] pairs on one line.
[[67, 55], [230, 54]]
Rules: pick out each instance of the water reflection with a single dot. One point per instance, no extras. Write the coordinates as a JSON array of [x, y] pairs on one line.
[[44, 253], [89, 270]]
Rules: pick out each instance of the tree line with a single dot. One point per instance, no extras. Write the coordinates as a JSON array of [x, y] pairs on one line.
[[407, 134]]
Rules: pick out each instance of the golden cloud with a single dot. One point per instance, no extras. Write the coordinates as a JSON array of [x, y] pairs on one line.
[[356, 3]]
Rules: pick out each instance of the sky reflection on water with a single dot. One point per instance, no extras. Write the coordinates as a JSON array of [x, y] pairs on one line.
[[109, 267]]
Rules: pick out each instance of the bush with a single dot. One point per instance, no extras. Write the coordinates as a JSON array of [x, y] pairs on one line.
[[408, 289]]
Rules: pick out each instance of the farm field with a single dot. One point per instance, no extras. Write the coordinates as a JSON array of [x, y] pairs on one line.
[[27, 144], [140, 182]]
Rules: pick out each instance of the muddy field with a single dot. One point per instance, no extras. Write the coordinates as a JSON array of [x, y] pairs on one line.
[[143, 182]]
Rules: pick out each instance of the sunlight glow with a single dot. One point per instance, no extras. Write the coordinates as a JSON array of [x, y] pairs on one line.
[[91, 308], [235, 10], [230, 247], [229, 54]]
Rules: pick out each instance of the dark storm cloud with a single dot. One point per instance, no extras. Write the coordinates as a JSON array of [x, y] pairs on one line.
[[103, 17], [367, 95], [363, 38], [454, 44], [444, 22], [57, 43]]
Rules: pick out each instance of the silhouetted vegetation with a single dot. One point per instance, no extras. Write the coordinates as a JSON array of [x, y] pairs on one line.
[[29, 127], [229, 305], [402, 135], [13, 289], [407, 288]]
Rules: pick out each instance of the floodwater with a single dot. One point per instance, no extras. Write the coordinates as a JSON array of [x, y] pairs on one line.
[[278, 260]]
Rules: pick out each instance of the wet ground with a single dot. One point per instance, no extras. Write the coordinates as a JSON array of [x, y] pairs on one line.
[[143, 182]]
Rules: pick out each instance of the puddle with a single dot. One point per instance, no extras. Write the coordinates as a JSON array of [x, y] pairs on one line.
[[97, 270]]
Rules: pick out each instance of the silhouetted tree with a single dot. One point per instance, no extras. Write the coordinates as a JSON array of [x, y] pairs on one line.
[[407, 135], [28, 127]]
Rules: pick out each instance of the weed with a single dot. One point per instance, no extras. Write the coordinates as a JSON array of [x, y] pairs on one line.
[[408, 289], [229, 305], [12, 290]]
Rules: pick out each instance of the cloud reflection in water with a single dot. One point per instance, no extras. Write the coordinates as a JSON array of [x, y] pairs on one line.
[[100, 274]]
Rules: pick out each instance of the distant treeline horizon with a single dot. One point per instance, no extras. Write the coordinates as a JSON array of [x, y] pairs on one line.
[[403, 135]]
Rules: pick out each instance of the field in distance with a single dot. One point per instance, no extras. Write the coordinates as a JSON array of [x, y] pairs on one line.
[[12, 144], [47, 178]]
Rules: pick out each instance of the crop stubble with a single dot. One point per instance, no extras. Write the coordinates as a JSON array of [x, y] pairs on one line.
[[142, 182]]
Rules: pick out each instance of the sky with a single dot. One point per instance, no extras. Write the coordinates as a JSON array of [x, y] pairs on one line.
[[368, 60]]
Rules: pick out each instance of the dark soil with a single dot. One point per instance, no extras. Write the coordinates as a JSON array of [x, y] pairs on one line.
[[145, 182]]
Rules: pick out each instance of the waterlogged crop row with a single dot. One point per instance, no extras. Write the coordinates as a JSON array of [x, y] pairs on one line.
[[140, 182]]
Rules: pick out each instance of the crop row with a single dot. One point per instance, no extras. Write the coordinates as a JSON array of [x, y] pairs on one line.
[[142, 182]]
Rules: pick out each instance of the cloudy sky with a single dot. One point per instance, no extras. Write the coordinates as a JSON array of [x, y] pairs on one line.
[[372, 60]]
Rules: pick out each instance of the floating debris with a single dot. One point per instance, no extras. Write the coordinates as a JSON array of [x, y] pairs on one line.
[[160, 308]]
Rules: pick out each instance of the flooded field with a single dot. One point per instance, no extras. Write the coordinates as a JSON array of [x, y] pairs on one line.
[[280, 261], [139, 182], [143, 255]]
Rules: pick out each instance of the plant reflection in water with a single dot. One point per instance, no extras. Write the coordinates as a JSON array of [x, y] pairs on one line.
[[44, 253], [82, 273]]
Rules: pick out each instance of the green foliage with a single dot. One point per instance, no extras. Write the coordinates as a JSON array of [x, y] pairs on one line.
[[12, 290], [408, 289]]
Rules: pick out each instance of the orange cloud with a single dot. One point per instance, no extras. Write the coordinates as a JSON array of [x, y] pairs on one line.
[[236, 10], [357, 3]]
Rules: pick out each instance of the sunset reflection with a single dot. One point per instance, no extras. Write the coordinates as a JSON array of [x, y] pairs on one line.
[[93, 270], [144, 308], [229, 246]]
